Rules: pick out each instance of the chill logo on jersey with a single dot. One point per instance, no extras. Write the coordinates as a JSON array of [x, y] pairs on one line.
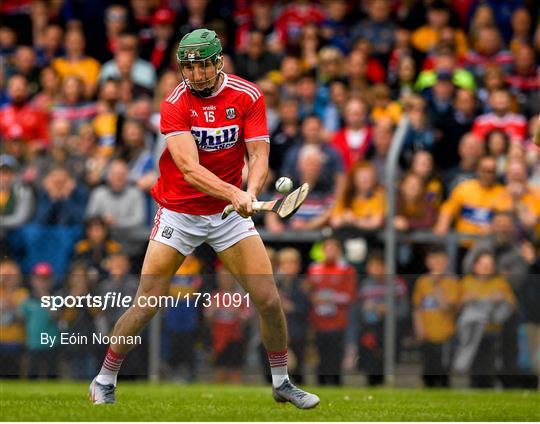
[[211, 139]]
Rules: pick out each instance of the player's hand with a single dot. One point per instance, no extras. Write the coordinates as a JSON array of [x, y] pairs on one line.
[[241, 202]]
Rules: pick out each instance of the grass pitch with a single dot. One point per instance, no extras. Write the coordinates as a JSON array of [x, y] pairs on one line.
[[67, 401]]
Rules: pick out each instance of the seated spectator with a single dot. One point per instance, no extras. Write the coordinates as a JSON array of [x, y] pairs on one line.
[[471, 149], [362, 204], [76, 63], [335, 28], [332, 286], [24, 64], [365, 332], [105, 123], [519, 198], [487, 301], [450, 130], [419, 135], [140, 71], [306, 94], [472, 203], [383, 132], [74, 320], [332, 110], [523, 82], [361, 72], [497, 145], [435, 299], [71, 105], [49, 46], [424, 166], [415, 211], [49, 81], [96, 246], [259, 17], [158, 49], [16, 199], [402, 83], [12, 331], [382, 106], [293, 17], [315, 211], [295, 303], [137, 155], [377, 29], [353, 140], [227, 326], [59, 199], [256, 62], [40, 321], [116, 22], [19, 120], [438, 18], [286, 135], [182, 319], [121, 205], [119, 281], [488, 50], [332, 165]]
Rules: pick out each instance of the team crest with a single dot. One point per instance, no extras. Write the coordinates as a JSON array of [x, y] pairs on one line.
[[167, 232], [230, 112]]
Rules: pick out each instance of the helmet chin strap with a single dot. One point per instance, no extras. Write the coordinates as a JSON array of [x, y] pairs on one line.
[[207, 91]]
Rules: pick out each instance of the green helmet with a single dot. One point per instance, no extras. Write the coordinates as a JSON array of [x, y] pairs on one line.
[[200, 44]]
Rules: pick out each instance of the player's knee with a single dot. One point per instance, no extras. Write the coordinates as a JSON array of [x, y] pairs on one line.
[[270, 305]]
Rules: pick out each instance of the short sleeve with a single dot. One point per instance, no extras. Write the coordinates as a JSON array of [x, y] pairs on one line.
[[255, 127], [452, 205], [418, 292], [173, 120]]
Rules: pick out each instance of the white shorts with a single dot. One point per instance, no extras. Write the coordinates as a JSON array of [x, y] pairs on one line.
[[184, 232]]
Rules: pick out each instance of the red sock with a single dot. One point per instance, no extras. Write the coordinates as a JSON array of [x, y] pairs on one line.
[[278, 367]]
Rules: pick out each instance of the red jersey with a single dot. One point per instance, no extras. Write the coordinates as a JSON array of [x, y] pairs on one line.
[[513, 124], [24, 122], [334, 288], [221, 125]]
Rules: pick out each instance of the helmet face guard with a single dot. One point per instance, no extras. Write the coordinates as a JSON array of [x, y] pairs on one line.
[[197, 53]]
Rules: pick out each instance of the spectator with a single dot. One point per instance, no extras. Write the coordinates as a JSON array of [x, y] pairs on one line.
[[96, 246], [423, 165], [159, 48], [353, 140], [487, 300], [419, 135], [415, 211], [335, 28], [138, 156], [16, 199], [471, 149], [80, 321], [361, 71], [383, 132], [332, 110], [271, 99], [331, 286], [522, 200], [497, 145], [315, 211], [362, 204], [435, 300], [306, 92], [71, 105], [49, 81], [60, 200], [295, 302], [286, 135], [488, 49], [259, 17], [119, 203], [19, 120], [402, 83], [12, 331], [294, 17], [136, 69], [116, 22], [472, 203], [377, 29], [49, 46], [181, 320], [523, 82], [382, 105], [332, 166], [227, 321], [39, 321], [76, 63], [256, 62], [25, 65], [366, 319]]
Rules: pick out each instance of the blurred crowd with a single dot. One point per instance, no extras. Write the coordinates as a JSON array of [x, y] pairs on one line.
[[80, 89]]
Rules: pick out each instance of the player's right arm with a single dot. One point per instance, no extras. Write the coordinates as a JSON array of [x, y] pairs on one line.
[[183, 149]]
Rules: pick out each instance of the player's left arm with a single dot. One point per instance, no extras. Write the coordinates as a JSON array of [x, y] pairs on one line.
[[257, 144], [258, 152]]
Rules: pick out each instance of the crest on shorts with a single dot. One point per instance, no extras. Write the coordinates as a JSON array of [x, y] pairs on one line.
[[230, 112], [167, 232]]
